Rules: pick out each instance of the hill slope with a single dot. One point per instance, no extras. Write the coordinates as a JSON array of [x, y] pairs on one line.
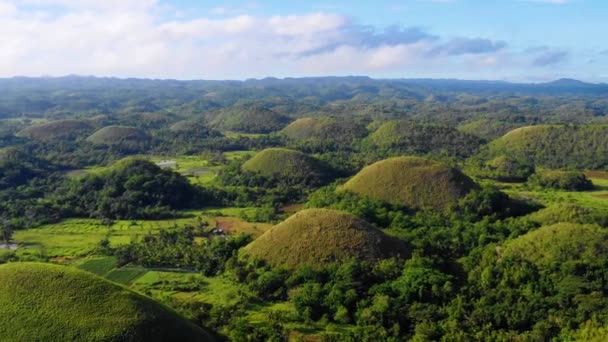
[[62, 129], [252, 119], [579, 147], [325, 128], [559, 243], [414, 138], [288, 164], [44, 302], [317, 237], [412, 182], [113, 135]]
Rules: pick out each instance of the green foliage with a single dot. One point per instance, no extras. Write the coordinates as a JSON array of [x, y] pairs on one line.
[[134, 188], [288, 167], [180, 249], [317, 237], [507, 169], [43, 302], [561, 180], [412, 182], [61, 129], [250, 118], [419, 139], [324, 133], [560, 243], [571, 146]]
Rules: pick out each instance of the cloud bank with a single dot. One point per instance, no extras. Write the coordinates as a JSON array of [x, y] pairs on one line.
[[142, 38]]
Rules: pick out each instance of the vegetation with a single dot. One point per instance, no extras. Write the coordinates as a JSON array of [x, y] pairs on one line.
[[255, 232], [133, 188], [561, 180], [560, 243], [249, 118], [291, 166], [61, 129], [318, 237], [556, 146], [324, 132], [42, 302], [412, 182], [419, 139]]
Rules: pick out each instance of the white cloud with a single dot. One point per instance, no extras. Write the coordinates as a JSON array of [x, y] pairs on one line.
[[134, 38]]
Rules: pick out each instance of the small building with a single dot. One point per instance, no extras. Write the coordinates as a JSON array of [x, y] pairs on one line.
[[167, 164]]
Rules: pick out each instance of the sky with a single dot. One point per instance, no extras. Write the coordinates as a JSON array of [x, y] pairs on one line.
[[512, 40]]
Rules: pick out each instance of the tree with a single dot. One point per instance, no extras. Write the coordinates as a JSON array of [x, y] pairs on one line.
[[7, 231]]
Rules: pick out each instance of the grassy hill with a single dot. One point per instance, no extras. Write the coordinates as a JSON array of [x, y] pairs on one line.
[[62, 129], [288, 164], [44, 302], [249, 119], [113, 135], [577, 147], [487, 129], [414, 138], [317, 237], [412, 182], [559, 243], [324, 128]]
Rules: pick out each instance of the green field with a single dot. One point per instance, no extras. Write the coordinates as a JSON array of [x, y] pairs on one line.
[[595, 199]]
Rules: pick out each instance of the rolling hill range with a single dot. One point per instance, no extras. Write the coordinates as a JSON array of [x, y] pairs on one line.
[[317, 237], [44, 302], [249, 119], [411, 182]]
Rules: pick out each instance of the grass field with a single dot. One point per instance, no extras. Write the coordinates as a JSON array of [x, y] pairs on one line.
[[77, 238], [595, 199]]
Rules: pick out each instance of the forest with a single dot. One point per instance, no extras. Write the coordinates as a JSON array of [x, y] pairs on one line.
[[304, 209]]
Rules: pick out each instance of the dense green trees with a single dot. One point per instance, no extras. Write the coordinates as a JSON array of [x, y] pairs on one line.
[[132, 189]]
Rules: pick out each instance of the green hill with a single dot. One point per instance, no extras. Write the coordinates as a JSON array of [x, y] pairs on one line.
[[44, 302], [560, 243], [487, 129], [555, 147], [62, 129], [412, 182], [413, 138], [249, 119], [288, 164], [115, 135], [324, 128], [317, 237], [193, 129]]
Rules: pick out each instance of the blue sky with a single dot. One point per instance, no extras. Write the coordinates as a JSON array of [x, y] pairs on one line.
[[515, 40]]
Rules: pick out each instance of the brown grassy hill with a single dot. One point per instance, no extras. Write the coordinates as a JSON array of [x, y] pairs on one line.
[[317, 237], [412, 182], [285, 163], [112, 135], [62, 129]]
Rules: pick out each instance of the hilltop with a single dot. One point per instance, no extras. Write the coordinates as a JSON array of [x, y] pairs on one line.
[[412, 182], [288, 164], [44, 302], [317, 237]]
